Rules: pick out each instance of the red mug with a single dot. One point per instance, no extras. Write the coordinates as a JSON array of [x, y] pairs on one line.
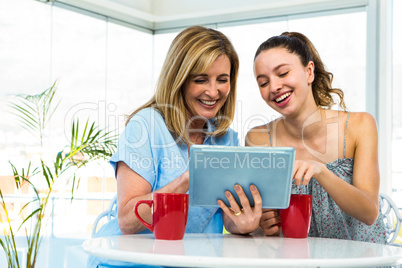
[[296, 219], [169, 215]]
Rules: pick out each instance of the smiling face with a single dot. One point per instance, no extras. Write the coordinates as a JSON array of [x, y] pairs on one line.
[[284, 83], [206, 93]]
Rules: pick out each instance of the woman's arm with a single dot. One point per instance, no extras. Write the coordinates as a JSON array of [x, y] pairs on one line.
[[359, 199], [131, 188], [362, 196]]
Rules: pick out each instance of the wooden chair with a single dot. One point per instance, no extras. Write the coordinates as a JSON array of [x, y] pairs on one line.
[[110, 214], [392, 218]]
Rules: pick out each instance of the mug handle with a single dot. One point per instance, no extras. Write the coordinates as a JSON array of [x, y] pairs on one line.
[[149, 203]]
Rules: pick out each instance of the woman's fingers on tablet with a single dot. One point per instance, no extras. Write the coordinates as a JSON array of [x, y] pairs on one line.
[[245, 202], [257, 199], [225, 208], [235, 208], [230, 211], [242, 196], [245, 218]]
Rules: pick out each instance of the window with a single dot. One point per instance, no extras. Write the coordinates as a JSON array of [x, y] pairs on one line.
[[24, 69], [341, 47], [104, 71], [396, 106]]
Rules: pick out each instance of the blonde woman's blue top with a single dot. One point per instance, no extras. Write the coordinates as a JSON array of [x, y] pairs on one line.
[[148, 147]]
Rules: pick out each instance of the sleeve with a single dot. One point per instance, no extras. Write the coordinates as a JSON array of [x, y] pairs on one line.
[[134, 148]]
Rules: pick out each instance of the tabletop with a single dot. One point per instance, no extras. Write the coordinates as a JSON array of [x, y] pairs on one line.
[[226, 250]]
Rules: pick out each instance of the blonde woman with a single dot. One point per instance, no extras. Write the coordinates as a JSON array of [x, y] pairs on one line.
[[194, 103]]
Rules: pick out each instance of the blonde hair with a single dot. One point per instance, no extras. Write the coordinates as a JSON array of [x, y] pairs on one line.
[[192, 52], [299, 44]]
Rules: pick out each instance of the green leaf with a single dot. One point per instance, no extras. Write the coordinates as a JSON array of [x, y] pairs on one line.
[[35, 111], [27, 204], [30, 216], [11, 249], [76, 135], [27, 124], [85, 130], [25, 111], [72, 137], [72, 189], [32, 186], [16, 176], [45, 173], [58, 164]]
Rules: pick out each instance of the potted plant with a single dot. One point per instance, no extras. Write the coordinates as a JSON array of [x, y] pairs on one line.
[[87, 144]]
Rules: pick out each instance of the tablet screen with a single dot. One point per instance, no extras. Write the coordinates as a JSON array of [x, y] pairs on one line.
[[215, 169]]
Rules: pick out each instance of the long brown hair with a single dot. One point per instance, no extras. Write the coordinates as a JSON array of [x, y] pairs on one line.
[[299, 44], [192, 52]]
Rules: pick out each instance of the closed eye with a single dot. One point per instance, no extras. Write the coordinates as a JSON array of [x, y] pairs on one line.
[[224, 78], [283, 74]]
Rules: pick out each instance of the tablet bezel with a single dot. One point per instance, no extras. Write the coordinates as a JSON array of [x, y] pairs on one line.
[[205, 181]]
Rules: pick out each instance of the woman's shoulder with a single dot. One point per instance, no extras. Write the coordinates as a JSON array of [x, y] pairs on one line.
[[264, 128], [363, 117], [147, 115], [261, 129], [361, 128], [354, 119], [146, 121], [361, 122]]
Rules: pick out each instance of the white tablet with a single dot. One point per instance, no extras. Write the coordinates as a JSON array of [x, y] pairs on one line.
[[215, 169]]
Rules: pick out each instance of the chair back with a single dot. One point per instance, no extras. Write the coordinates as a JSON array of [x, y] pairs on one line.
[[392, 218], [110, 214]]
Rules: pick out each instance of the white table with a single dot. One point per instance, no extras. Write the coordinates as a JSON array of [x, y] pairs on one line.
[[218, 250]]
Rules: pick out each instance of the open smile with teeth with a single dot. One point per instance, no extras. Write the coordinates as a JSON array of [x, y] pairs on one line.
[[210, 103], [282, 97]]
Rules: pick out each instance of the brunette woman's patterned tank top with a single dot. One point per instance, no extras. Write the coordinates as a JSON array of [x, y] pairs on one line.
[[328, 220]]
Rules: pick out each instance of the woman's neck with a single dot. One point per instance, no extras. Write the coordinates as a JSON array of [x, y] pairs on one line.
[[305, 125], [196, 131]]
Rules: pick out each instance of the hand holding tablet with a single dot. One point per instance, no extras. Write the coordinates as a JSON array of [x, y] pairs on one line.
[[216, 169]]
